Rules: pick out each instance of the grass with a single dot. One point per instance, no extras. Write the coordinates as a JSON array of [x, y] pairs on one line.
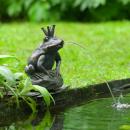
[[106, 57]]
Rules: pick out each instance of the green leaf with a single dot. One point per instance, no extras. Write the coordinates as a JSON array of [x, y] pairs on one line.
[[124, 1], [77, 2], [13, 92], [7, 56], [27, 3], [44, 92], [8, 75], [14, 8], [39, 11], [1, 95], [10, 82], [27, 82], [27, 87], [18, 75], [84, 4]]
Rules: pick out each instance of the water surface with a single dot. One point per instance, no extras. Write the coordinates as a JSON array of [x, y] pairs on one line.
[[96, 115]]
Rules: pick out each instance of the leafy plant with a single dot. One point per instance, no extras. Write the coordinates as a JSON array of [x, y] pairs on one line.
[[27, 87], [18, 85], [14, 8], [89, 4], [41, 10], [124, 1]]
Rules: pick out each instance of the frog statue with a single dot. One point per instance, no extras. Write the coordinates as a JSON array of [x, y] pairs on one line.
[[41, 62]]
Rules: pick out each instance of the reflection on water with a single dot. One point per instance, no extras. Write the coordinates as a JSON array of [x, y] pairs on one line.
[[96, 115]]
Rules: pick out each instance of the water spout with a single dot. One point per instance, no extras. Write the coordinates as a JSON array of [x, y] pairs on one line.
[[113, 97], [118, 104]]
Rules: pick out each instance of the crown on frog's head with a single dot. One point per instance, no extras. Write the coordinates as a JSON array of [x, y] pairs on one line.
[[49, 32]]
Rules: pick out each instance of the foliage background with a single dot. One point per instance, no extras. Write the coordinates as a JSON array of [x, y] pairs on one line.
[[106, 55], [67, 10]]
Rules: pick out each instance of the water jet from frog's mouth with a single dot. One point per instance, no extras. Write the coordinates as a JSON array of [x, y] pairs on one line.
[[71, 42], [113, 97]]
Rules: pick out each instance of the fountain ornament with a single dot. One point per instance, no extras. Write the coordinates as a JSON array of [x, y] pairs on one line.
[[41, 62]]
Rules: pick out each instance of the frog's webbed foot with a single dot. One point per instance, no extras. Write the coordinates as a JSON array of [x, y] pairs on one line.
[[29, 69]]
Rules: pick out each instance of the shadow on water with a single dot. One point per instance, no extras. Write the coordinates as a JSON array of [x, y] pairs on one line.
[[86, 108]]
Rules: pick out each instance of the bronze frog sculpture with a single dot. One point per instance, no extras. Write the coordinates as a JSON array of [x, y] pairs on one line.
[[41, 62]]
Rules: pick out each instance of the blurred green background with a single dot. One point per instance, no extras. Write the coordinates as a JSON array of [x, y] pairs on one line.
[[65, 10], [90, 23]]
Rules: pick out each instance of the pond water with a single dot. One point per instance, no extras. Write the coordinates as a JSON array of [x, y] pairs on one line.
[[96, 115]]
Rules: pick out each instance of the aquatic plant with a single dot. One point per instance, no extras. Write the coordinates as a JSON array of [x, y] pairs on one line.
[[17, 85]]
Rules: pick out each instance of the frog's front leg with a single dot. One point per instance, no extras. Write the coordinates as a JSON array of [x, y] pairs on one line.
[[58, 62], [40, 64]]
